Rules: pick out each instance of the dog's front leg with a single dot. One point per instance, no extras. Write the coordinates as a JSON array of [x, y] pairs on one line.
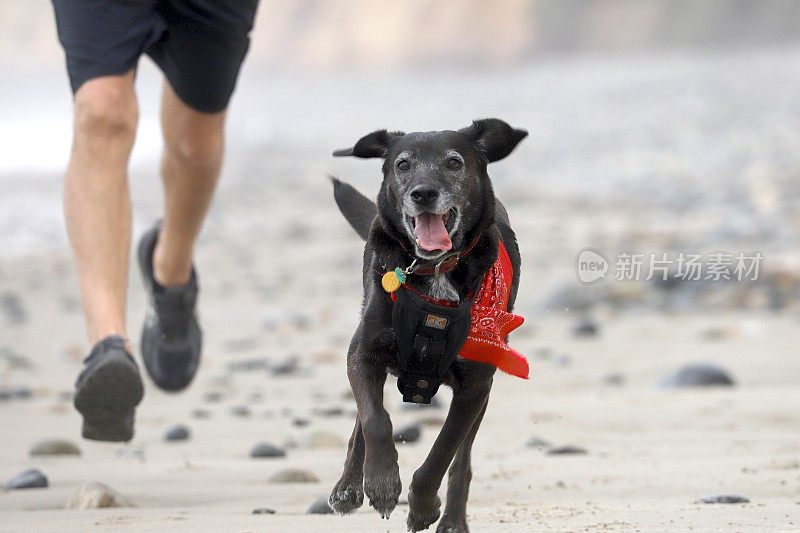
[[348, 494], [381, 472], [470, 395]]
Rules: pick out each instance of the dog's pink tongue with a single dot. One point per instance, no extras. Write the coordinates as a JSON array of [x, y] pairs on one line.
[[432, 233]]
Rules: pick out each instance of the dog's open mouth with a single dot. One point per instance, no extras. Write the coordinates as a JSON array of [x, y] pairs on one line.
[[433, 230]]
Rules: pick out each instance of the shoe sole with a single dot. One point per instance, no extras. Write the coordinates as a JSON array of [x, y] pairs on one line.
[[108, 398]]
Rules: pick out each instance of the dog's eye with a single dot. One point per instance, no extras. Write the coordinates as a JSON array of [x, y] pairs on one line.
[[403, 165], [454, 163]]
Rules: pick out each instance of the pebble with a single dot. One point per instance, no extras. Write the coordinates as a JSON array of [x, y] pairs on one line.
[[12, 308], [10, 360], [321, 439], [255, 397], [432, 421], [70, 304], [301, 422], [320, 506], [327, 412], [266, 450], [288, 367], [324, 357], [409, 433], [563, 360], [65, 396], [566, 450], [698, 375], [715, 334], [54, 447], [585, 328], [263, 510], [270, 324], [15, 392], [537, 442], [724, 498], [177, 433], [301, 321], [213, 397], [249, 365], [614, 379], [32, 478], [201, 414], [572, 297], [293, 475], [240, 411], [298, 231], [94, 495], [130, 453], [240, 345]]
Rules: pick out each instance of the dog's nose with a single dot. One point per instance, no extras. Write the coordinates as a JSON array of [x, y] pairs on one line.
[[424, 194]]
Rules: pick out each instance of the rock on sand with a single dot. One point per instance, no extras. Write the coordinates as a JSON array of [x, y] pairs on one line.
[[698, 375], [293, 475], [31, 478], [96, 495], [54, 447]]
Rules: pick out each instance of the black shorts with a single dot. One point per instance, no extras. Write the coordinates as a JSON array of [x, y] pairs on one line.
[[198, 44]]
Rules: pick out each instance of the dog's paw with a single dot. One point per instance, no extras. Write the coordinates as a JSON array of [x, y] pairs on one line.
[[422, 511], [347, 498], [383, 491]]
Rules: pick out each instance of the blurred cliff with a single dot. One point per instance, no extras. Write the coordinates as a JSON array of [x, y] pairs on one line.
[[320, 35]]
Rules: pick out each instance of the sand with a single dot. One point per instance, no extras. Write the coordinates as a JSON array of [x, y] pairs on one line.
[[280, 276]]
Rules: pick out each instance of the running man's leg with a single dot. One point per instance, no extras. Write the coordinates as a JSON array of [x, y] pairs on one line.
[[98, 213], [97, 202], [193, 151], [171, 337], [200, 57], [102, 44]]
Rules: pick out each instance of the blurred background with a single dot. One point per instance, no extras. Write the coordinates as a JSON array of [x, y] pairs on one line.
[[656, 127]]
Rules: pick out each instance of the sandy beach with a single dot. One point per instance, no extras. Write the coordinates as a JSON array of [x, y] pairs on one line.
[[683, 153]]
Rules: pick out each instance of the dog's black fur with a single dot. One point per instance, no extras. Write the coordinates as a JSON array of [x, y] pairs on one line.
[[454, 164]]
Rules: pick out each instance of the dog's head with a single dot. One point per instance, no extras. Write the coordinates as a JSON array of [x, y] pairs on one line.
[[435, 184]]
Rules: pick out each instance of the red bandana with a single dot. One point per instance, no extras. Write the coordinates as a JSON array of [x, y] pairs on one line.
[[491, 321]]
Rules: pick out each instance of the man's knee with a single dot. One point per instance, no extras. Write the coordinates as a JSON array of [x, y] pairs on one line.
[[106, 108], [201, 148]]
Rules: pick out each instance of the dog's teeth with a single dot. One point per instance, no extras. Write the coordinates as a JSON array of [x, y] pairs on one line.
[[417, 241]]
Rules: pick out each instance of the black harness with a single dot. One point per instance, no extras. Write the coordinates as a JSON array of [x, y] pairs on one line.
[[429, 337]]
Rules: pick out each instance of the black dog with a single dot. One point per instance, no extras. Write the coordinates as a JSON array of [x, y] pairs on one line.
[[438, 222]]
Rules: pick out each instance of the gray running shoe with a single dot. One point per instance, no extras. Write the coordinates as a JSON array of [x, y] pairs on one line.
[[108, 390], [171, 336]]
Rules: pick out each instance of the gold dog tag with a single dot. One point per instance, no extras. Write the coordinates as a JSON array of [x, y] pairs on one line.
[[392, 280]]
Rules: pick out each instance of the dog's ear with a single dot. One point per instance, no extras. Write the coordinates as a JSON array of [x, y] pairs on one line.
[[376, 144], [494, 138]]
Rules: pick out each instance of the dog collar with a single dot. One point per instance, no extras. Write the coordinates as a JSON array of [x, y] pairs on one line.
[[446, 264], [393, 279]]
